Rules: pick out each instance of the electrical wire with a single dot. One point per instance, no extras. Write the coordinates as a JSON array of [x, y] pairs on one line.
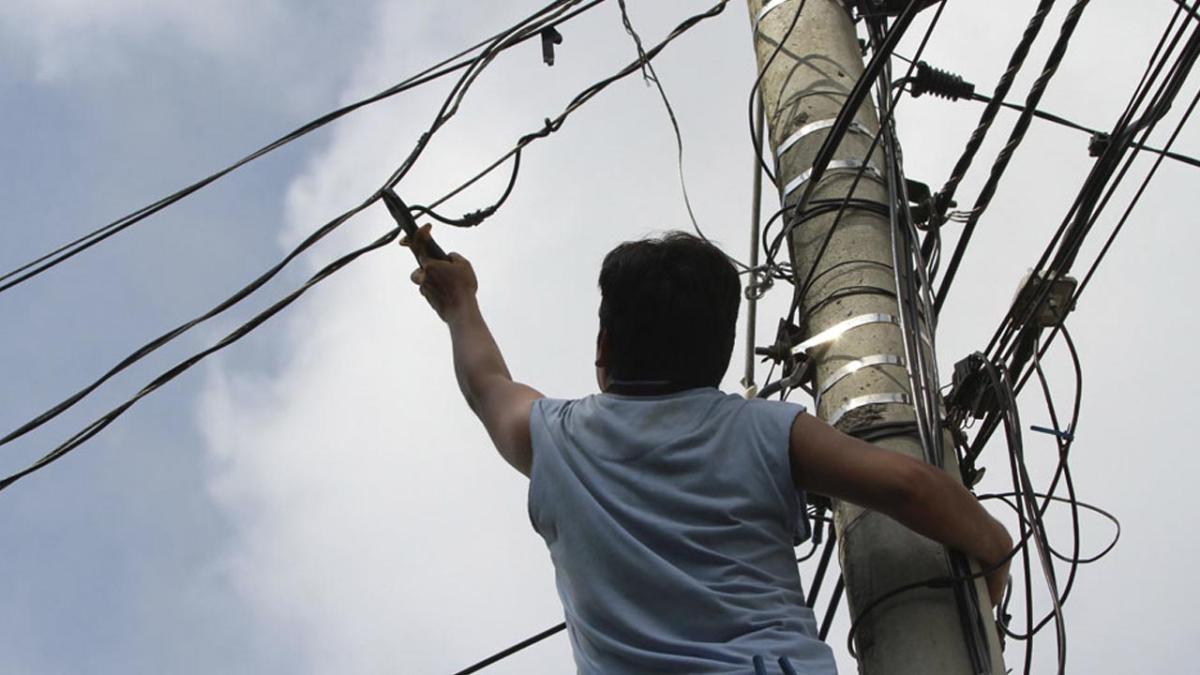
[[499, 43], [1062, 121], [509, 651], [76, 246], [651, 77], [551, 125], [756, 137], [1055, 58]]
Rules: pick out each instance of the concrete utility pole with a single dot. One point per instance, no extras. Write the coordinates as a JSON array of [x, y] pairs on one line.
[[860, 376]]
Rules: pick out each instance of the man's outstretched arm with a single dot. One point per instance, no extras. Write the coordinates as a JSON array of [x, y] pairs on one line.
[[501, 404], [922, 497]]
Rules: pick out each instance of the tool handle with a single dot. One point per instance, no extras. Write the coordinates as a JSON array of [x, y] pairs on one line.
[[432, 250], [403, 217]]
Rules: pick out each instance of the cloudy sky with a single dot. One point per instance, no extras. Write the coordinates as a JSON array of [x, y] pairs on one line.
[[317, 498]]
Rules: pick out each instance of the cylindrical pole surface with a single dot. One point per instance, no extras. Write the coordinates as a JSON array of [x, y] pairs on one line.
[[925, 631]]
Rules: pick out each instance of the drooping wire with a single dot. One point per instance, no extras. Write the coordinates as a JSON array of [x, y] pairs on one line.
[[552, 125], [76, 246], [651, 77], [505, 39]]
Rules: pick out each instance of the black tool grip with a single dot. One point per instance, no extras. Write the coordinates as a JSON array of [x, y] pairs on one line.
[[404, 218]]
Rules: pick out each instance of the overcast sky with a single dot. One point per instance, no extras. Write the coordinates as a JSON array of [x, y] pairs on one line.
[[317, 498]]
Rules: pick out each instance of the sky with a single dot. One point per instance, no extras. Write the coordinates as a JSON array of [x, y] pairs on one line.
[[317, 498]]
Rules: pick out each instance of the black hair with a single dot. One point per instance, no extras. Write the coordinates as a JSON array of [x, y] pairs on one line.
[[669, 309]]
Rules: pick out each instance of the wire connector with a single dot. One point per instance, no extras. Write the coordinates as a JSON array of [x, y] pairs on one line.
[[1098, 145], [940, 83], [550, 37]]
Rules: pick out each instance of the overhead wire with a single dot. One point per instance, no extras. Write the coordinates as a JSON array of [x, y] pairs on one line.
[[317, 235], [552, 125], [66, 251], [1004, 157], [650, 75]]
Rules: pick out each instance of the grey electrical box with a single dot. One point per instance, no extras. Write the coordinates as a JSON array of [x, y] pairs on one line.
[[1054, 305]]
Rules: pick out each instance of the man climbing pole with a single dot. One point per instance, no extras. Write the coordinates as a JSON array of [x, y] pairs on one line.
[[669, 508]]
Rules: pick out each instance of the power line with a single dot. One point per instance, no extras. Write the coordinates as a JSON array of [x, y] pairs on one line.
[[1055, 58], [499, 43], [551, 126], [76, 246]]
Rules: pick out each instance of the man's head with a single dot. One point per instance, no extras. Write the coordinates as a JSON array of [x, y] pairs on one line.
[[668, 311]]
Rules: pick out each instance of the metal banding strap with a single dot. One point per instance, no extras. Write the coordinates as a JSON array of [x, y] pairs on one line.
[[812, 128], [863, 401], [867, 168], [837, 329], [767, 9], [855, 366]]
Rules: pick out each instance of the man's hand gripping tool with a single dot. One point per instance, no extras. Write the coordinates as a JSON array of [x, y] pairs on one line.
[[421, 242]]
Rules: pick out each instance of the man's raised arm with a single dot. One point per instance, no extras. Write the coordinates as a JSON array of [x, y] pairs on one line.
[[501, 404]]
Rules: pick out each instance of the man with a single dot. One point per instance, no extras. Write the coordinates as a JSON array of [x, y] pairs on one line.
[[668, 507]]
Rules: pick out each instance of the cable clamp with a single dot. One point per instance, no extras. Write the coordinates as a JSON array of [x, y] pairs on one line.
[[812, 128], [864, 401], [835, 331], [852, 368], [867, 168]]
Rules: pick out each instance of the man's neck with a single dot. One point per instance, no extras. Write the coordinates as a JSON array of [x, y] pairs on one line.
[[643, 387]]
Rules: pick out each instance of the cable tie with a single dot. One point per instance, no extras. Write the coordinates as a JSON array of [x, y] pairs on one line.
[[1067, 435], [867, 168]]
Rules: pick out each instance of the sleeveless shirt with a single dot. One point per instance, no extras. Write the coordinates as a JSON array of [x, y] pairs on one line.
[[670, 521]]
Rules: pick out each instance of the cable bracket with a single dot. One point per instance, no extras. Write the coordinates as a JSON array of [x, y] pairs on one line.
[[812, 128], [852, 368], [836, 330], [867, 168], [864, 401]]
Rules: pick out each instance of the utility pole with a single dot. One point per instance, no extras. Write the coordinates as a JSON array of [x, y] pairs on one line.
[[860, 376]]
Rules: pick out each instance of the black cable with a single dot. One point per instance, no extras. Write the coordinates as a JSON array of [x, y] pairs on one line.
[[988, 117], [1076, 226], [1002, 340], [1062, 121], [249, 326], [755, 139], [179, 368], [651, 76], [1057, 53], [505, 653], [319, 234], [66, 251]]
